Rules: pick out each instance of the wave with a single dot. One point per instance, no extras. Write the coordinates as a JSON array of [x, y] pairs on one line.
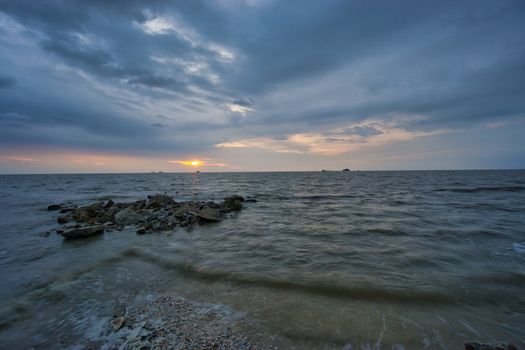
[[322, 288], [483, 189], [365, 293], [305, 197], [511, 278]]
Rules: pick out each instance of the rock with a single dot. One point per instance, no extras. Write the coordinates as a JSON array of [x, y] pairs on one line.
[[89, 213], [109, 215], [53, 207], [64, 219], [66, 210], [185, 209], [157, 213], [480, 346], [109, 203], [119, 309], [128, 217], [209, 214], [83, 231], [346, 169], [93, 345], [117, 323], [159, 201], [233, 203], [138, 205]]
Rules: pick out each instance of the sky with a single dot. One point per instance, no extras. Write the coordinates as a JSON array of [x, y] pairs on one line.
[[261, 85]]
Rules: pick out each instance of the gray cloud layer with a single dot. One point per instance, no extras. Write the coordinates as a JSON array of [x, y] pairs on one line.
[[158, 76]]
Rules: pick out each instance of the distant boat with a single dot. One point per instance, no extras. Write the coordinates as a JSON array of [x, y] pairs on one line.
[[346, 169]]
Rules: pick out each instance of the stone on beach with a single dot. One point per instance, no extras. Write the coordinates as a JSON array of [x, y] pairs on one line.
[[233, 203], [209, 214], [54, 207], [128, 217], [159, 201], [117, 323], [83, 231], [185, 209], [89, 213], [109, 215], [64, 219]]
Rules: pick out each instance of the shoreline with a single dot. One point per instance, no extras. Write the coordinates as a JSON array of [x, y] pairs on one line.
[[174, 322]]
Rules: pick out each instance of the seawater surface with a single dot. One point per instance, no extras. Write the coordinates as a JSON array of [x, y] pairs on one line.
[[416, 259]]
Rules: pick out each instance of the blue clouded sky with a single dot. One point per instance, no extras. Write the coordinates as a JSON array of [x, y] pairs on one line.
[[247, 85]]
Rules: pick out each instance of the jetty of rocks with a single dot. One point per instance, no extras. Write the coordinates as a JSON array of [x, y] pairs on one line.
[[156, 213]]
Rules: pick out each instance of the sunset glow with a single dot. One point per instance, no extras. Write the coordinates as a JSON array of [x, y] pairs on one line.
[[193, 162], [196, 162]]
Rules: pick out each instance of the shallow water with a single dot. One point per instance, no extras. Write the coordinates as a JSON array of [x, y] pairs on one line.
[[422, 259]]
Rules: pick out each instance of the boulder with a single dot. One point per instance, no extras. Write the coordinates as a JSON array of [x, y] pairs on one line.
[[64, 219], [159, 201], [233, 203], [128, 217], [54, 207], [139, 205], [84, 231], [209, 214], [185, 209], [117, 323], [109, 215], [89, 213]]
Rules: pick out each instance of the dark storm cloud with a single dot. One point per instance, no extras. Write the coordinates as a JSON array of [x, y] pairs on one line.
[[292, 68]]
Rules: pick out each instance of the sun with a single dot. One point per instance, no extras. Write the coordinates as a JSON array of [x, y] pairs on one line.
[[190, 162]]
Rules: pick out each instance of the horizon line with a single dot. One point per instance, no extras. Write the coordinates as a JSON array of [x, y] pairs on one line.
[[265, 171]]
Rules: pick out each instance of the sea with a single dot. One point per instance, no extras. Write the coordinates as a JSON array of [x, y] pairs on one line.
[[322, 260]]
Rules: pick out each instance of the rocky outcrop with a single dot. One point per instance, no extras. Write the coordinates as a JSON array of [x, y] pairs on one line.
[[233, 203], [83, 231], [156, 213]]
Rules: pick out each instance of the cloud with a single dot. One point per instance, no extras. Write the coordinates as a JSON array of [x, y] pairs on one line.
[[21, 159], [157, 25], [323, 79], [369, 133]]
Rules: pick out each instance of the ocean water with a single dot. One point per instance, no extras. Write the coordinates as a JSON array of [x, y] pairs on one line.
[[323, 260]]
